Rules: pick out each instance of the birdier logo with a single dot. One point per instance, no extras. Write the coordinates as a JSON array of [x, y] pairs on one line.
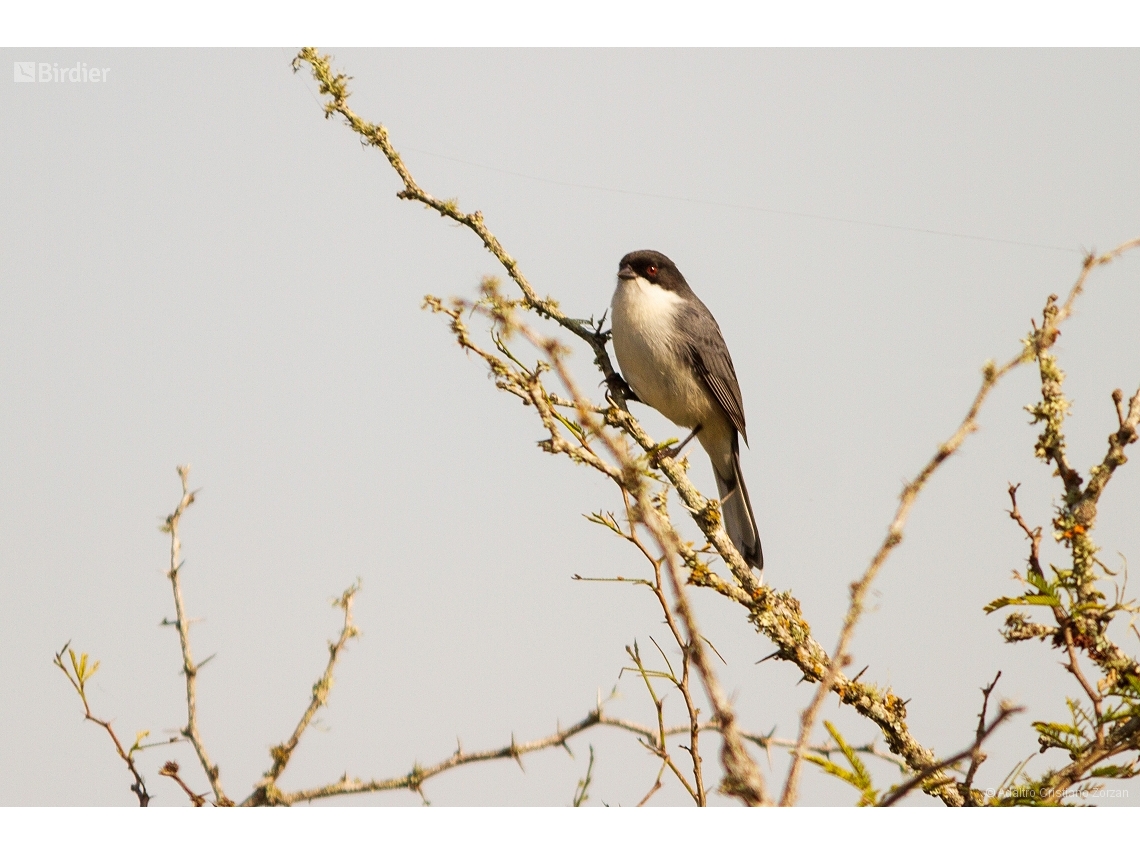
[[53, 72]]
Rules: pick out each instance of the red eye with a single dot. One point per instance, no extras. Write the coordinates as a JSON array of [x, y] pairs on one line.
[[651, 271]]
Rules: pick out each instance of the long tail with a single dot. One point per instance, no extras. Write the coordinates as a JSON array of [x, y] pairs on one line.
[[736, 509]]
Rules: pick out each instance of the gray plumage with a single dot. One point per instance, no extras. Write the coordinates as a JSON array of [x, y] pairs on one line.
[[673, 356]]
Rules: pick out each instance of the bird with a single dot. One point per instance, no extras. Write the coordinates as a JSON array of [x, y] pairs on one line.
[[672, 355]]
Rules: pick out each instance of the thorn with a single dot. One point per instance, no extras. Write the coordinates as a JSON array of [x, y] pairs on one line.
[[771, 655], [855, 679]]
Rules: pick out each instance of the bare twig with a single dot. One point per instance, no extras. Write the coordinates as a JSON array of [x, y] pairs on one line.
[[78, 676], [978, 758], [335, 86], [582, 791], [697, 791], [742, 777], [1034, 535], [182, 623], [170, 770], [1074, 667], [659, 746], [266, 790]]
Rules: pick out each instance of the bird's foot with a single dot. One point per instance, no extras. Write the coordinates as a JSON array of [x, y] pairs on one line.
[[618, 386], [666, 450], [669, 450]]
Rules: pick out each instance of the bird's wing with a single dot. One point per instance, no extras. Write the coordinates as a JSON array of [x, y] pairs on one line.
[[710, 358]]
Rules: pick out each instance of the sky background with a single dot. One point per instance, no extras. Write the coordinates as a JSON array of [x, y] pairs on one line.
[[198, 268]]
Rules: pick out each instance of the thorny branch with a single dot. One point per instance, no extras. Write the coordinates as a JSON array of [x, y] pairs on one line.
[[978, 758], [742, 776], [659, 748], [336, 87], [182, 624], [1080, 615], [974, 750], [419, 775], [776, 615], [266, 791], [697, 789], [990, 376]]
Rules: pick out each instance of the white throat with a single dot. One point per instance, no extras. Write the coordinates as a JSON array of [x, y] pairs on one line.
[[648, 346], [644, 309]]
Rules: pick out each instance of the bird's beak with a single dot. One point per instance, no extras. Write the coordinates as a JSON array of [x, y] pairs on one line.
[[626, 272]]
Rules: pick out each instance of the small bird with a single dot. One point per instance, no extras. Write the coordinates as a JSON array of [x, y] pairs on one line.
[[673, 356]]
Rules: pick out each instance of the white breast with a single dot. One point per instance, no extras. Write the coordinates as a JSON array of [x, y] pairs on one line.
[[645, 342]]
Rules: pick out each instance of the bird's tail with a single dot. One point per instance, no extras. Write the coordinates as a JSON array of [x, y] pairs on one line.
[[736, 510]]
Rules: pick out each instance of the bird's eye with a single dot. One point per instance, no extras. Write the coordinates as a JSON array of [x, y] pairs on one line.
[[651, 271]]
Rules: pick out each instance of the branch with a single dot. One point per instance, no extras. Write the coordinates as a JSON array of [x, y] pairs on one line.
[[776, 615], [978, 758], [266, 791], [973, 751], [991, 375], [742, 776], [859, 589], [415, 779], [78, 677], [1125, 736], [335, 86], [765, 741], [189, 668], [1034, 535], [659, 746], [697, 790], [582, 791], [1077, 604], [170, 770]]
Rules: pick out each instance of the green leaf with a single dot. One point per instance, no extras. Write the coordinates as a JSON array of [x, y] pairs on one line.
[[1025, 600], [857, 776], [1114, 772]]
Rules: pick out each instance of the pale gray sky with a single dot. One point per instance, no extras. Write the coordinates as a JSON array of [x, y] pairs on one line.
[[198, 268]]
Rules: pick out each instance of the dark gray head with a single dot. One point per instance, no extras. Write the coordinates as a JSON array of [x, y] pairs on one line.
[[653, 267]]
